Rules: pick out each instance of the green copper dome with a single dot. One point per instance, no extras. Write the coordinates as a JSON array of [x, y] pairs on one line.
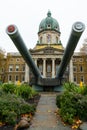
[[49, 23]]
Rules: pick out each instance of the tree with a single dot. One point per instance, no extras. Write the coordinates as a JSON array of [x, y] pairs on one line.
[[2, 63], [83, 49]]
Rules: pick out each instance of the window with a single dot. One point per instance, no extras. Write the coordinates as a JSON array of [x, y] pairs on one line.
[[22, 78], [75, 79], [74, 68], [41, 28], [80, 59], [2, 69], [11, 59], [49, 68], [81, 68], [23, 68], [56, 39], [48, 26], [10, 68], [17, 59], [9, 78], [56, 28], [82, 78], [41, 40], [74, 59], [57, 67], [17, 67], [16, 77], [41, 68], [48, 38]]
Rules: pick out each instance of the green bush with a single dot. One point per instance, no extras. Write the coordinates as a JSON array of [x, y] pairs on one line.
[[67, 110], [8, 87], [71, 87], [1, 91], [25, 108], [84, 90], [72, 103], [25, 91], [58, 100], [12, 102], [11, 107], [82, 108], [9, 117]]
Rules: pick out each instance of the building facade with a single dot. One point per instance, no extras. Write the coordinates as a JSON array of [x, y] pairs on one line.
[[49, 50], [47, 55], [14, 68]]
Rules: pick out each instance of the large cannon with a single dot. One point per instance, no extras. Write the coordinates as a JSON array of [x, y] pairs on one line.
[[13, 32], [76, 32]]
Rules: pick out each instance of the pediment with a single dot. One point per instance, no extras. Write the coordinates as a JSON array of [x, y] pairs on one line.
[[47, 50]]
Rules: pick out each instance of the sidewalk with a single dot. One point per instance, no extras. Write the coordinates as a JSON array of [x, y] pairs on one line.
[[45, 117]]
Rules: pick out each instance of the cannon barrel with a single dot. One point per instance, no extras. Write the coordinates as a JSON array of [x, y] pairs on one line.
[[77, 29], [13, 33]]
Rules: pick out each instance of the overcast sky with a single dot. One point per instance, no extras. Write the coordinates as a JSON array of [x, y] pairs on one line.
[[27, 15]]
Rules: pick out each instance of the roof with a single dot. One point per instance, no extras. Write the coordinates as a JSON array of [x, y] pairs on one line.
[[49, 23]]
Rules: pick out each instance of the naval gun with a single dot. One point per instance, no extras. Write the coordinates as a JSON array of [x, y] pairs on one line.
[[77, 30], [13, 32]]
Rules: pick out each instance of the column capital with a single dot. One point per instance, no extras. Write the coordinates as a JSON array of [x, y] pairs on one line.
[[44, 58], [53, 58]]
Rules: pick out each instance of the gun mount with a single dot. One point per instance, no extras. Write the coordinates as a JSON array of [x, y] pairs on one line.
[[76, 32]]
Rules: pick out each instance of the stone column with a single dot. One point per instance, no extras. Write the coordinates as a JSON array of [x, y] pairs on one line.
[[53, 68], [44, 67], [26, 73], [71, 71], [35, 61]]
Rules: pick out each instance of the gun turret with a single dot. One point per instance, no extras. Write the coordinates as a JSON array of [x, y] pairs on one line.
[[76, 32], [13, 33]]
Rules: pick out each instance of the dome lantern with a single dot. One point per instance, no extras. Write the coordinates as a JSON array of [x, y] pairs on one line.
[[49, 14]]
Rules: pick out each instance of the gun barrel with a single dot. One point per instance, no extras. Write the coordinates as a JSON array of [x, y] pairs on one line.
[[77, 29], [13, 33]]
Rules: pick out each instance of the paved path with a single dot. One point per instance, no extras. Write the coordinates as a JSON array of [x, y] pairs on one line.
[[45, 117]]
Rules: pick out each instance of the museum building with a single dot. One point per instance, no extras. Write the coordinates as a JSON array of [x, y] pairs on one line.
[[47, 55]]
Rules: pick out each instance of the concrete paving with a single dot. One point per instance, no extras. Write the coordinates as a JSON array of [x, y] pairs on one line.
[[45, 117]]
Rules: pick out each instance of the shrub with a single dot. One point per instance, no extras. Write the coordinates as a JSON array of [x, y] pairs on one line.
[[25, 91], [67, 110], [8, 87], [9, 117], [11, 107], [26, 108], [71, 87], [58, 100], [72, 103]]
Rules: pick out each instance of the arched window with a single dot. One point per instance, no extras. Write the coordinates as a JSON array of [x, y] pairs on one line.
[[56, 39], [48, 38], [81, 69], [40, 40], [82, 78]]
